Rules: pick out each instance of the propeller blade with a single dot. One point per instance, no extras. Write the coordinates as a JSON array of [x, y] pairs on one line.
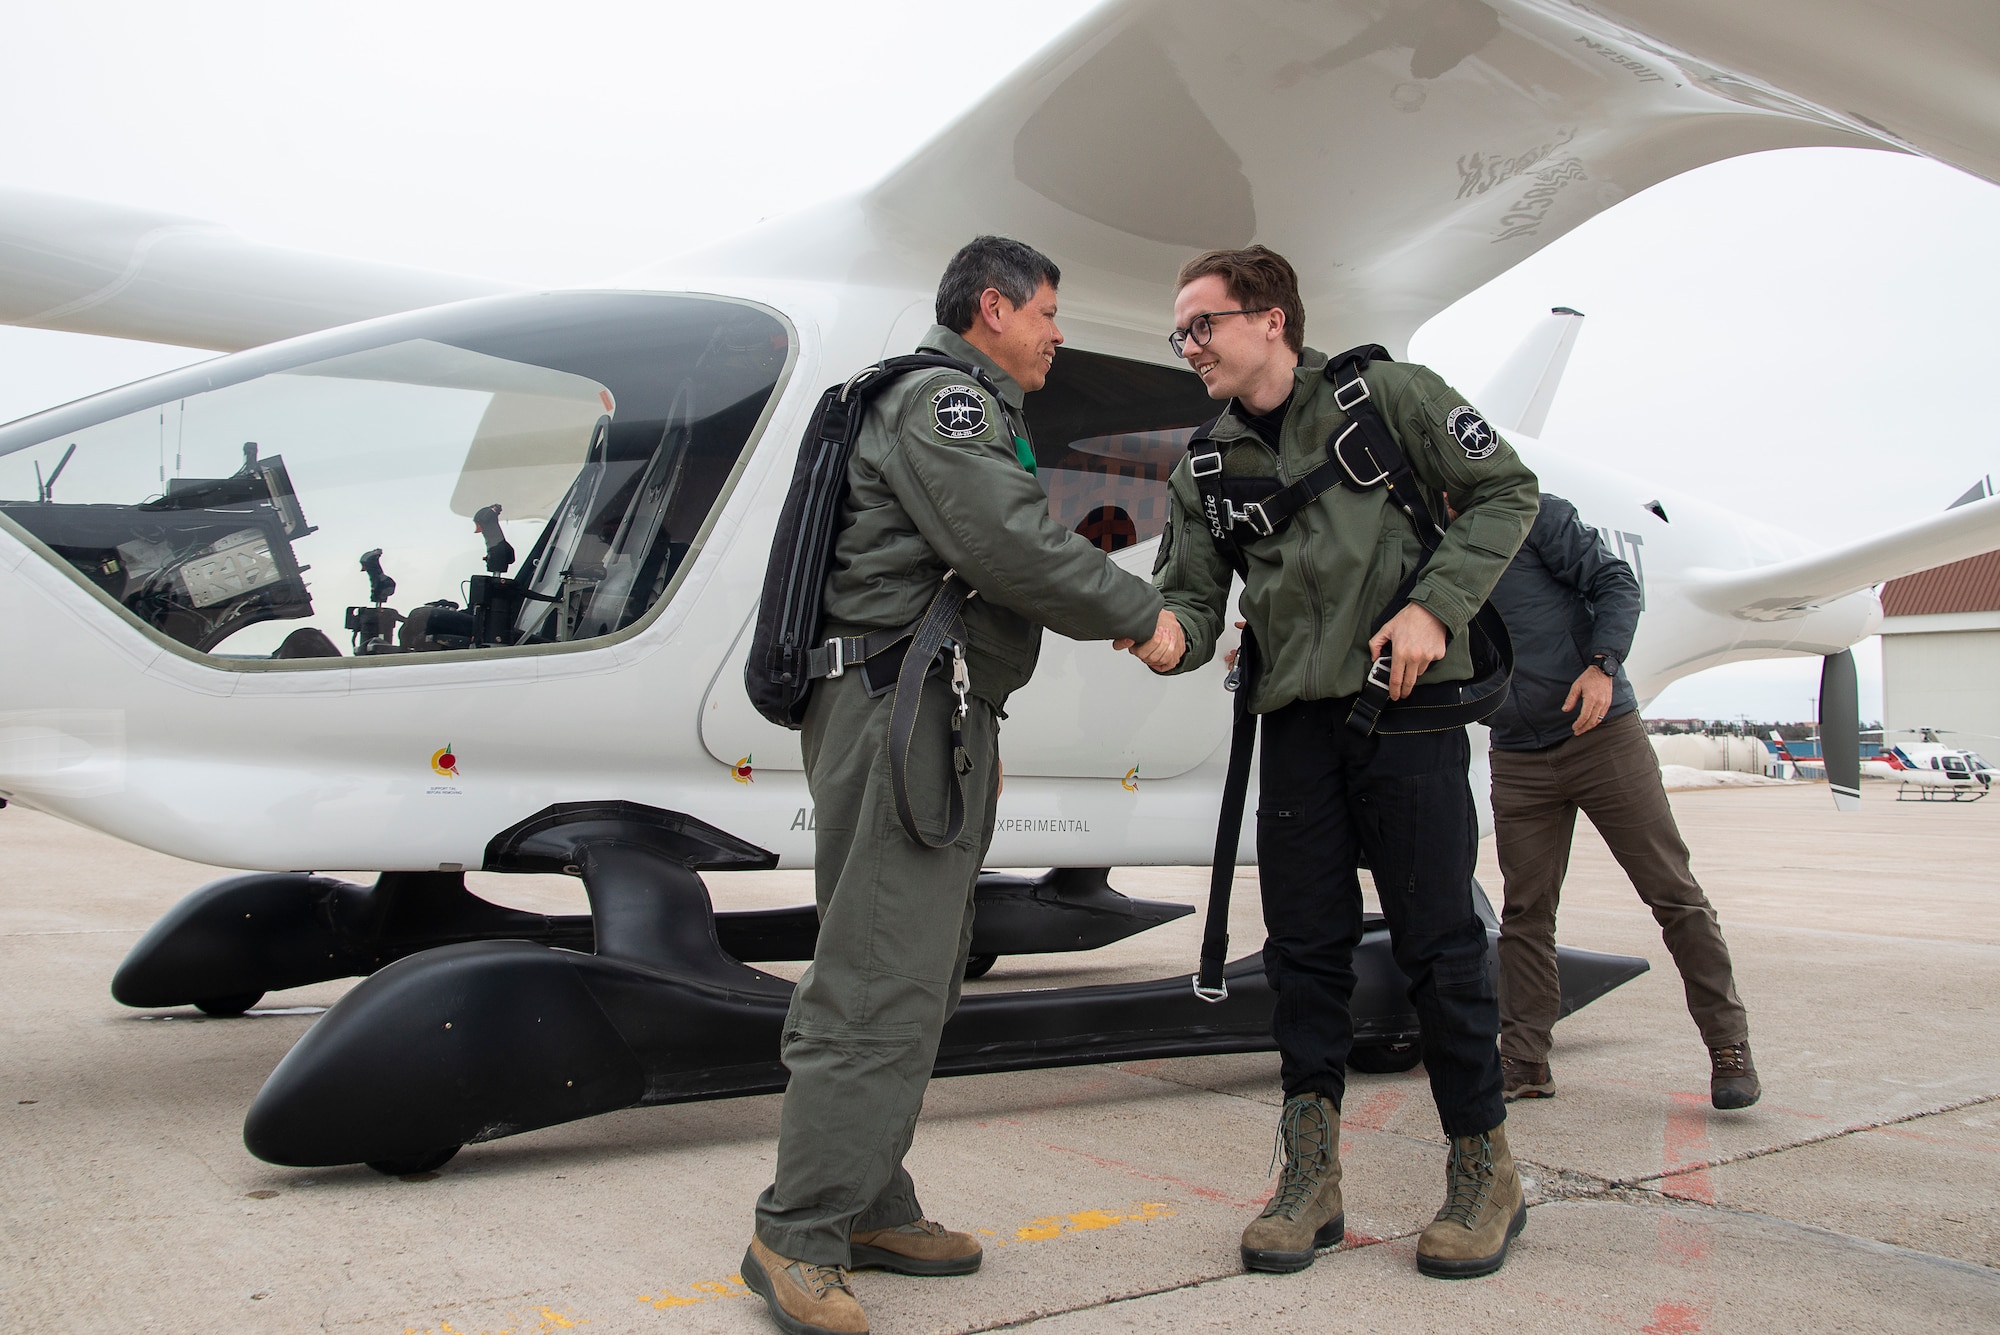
[[1840, 729]]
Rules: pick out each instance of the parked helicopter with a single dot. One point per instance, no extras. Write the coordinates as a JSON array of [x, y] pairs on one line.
[[574, 493], [1931, 770]]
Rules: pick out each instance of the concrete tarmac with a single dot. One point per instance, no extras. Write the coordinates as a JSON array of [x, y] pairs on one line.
[[1862, 1193]]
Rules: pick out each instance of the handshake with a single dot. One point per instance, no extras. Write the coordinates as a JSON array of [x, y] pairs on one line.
[[1164, 650]]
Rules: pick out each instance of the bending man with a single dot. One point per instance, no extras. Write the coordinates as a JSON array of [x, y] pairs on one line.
[[1569, 739]]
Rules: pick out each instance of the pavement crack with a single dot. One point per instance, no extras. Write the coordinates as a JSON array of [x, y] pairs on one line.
[[1822, 1138]]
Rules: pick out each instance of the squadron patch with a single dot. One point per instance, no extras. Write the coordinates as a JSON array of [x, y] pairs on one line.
[[1469, 429], [957, 412]]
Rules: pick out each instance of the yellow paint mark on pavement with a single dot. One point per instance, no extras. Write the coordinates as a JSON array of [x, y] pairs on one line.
[[1086, 1221], [701, 1291]]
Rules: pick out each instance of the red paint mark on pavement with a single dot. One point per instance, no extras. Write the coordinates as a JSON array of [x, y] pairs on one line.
[[1194, 1189], [1375, 1112], [1674, 1319], [1685, 1148]]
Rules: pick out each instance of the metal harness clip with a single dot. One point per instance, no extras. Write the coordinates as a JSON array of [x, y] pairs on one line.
[[1210, 995], [1378, 672], [1340, 393], [1251, 515], [839, 661], [1213, 459], [961, 680]]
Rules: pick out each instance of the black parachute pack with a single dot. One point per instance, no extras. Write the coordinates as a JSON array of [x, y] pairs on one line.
[[1362, 456], [789, 649]]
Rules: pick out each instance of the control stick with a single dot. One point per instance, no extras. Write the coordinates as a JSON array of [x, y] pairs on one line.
[[381, 588], [499, 551]]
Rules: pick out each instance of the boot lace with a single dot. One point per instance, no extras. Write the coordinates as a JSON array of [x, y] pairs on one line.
[[1468, 1179], [1305, 1140], [1732, 1059], [819, 1280]]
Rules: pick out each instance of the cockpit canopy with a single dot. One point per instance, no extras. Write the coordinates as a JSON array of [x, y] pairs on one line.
[[506, 473]]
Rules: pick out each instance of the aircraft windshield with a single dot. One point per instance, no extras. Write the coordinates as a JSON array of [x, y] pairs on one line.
[[519, 472]]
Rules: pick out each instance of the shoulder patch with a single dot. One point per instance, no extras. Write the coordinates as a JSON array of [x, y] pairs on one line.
[[1469, 429], [958, 412]]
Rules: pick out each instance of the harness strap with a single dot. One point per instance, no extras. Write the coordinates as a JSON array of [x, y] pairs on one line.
[[940, 630], [842, 652], [1209, 984]]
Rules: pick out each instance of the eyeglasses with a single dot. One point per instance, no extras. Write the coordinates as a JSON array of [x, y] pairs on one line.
[[1200, 329]]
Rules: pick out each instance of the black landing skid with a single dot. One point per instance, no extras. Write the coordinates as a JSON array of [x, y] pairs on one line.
[[483, 1039], [230, 942]]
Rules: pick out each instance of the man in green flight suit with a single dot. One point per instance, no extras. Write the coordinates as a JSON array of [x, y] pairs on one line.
[[1332, 794], [941, 480]]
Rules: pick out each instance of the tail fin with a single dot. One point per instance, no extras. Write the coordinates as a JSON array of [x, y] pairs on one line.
[[1519, 395]]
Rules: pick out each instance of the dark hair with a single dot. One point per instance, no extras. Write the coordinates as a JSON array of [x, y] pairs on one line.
[[1015, 270], [1258, 278]]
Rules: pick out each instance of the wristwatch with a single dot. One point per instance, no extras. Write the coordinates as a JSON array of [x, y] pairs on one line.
[[1606, 663]]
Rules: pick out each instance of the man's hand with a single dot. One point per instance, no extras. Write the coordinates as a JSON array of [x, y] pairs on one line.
[[1164, 650], [1593, 688], [1418, 641]]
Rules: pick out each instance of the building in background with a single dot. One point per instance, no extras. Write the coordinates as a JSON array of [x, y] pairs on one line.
[[1941, 653]]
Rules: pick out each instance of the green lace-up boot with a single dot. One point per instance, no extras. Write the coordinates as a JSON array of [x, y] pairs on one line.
[[1304, 1214], [1483, 1210]]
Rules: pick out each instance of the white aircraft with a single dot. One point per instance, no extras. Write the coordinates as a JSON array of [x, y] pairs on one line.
[[1931, 770], [416, 593]]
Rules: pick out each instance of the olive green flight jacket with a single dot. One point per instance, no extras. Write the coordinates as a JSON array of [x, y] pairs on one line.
[[921, 502], [1315, 588]]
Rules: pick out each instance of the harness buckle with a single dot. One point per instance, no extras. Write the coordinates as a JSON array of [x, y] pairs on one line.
[[1214, 460], [835, 654], [1340, 453], [1252, 515], [1378, 672], [1211, 995], [1341, 391], [961, 680]]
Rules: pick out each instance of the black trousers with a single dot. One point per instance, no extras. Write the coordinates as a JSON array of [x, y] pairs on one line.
[[1328, 799]]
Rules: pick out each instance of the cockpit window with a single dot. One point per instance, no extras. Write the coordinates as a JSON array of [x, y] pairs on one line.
[[1108, 432], [524, 471]]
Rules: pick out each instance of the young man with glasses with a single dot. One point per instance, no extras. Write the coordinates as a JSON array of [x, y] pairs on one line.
[[1331, 794]]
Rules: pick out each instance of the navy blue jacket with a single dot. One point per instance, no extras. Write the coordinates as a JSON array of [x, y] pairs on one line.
[[1565, 599]]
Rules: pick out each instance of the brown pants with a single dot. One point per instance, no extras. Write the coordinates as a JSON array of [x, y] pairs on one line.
[[1611, 774]]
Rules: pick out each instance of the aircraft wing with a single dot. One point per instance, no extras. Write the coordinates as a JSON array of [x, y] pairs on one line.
[[1400, 152], [1773, 592], [93, 268]]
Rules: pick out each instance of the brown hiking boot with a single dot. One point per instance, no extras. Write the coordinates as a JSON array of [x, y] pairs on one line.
[[1483, 1210], [921, 1248], [805, 1299], [1304, 1214], [1732, 1076], [1523, 1079]]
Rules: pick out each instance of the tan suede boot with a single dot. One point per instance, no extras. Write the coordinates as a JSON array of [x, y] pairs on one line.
[[1483, 1210], [804, 1299], [920, 1248], [1304, 1214]]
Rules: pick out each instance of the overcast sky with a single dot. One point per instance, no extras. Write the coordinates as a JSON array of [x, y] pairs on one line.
[[1805, 334]]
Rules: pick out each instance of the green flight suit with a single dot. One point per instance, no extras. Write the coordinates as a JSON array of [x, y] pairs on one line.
[[931, 488], [1315, 588]]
